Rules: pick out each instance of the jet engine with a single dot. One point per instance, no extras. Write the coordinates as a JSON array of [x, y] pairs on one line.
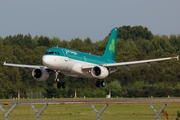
[[40, 74], [99, 72]]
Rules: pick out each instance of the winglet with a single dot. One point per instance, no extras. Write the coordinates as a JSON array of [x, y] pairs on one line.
[[177, 57], [4, 63]]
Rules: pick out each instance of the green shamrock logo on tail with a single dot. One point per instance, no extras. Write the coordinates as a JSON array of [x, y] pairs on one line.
[[112, 46]]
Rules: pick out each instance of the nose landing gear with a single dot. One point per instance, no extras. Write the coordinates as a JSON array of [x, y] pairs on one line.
[[58, 78]]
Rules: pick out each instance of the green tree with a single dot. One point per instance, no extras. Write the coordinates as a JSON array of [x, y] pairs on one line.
[[115, 88], [134, 33]]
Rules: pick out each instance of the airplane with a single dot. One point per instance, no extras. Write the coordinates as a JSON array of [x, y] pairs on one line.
[[67, 62]]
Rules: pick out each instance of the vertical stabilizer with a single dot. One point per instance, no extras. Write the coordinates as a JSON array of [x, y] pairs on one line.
[[111, 46]]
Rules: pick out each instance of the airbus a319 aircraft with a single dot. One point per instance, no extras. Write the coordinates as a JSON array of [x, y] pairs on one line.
[[63, 61]]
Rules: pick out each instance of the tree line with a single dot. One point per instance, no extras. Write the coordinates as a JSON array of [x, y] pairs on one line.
[[133, 43]]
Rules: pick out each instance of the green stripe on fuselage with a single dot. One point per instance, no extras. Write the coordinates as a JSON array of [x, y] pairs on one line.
[[81, 56]]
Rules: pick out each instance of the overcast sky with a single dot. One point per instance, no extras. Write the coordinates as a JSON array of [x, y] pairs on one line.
[[67, 19]]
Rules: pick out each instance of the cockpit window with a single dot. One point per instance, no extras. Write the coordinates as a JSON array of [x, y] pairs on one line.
[[52, 53]]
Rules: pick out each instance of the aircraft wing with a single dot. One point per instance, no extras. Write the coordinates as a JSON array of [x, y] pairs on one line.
[[23, 66], [129, 65], [112, 67]]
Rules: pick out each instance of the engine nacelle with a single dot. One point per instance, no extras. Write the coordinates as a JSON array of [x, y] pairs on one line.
[[99, 72], [40, 74]]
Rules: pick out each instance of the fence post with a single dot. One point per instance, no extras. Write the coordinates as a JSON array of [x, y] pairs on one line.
[[98, 114], [6, 114], [157, 113], [38, 114]]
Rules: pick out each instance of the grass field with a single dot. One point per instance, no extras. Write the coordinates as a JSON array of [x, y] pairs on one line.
[[114, 111]]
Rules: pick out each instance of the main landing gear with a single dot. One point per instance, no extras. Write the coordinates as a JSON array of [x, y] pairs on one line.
[[58, 78], [101, 83], [61, 84]]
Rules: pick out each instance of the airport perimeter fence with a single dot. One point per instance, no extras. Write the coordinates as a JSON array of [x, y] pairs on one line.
[[35, 95], [76, 112]]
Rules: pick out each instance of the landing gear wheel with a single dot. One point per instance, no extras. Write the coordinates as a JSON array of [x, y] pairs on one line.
[[103, 83], [59, 85], [63, 85], [98, 83]]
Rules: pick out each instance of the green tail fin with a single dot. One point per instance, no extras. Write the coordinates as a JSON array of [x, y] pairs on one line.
[[111, 46]]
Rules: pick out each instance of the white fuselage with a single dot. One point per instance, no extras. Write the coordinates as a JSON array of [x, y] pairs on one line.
[[67, 66]]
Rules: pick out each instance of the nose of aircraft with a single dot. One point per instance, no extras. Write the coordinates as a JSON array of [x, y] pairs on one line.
[[46, 60]]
